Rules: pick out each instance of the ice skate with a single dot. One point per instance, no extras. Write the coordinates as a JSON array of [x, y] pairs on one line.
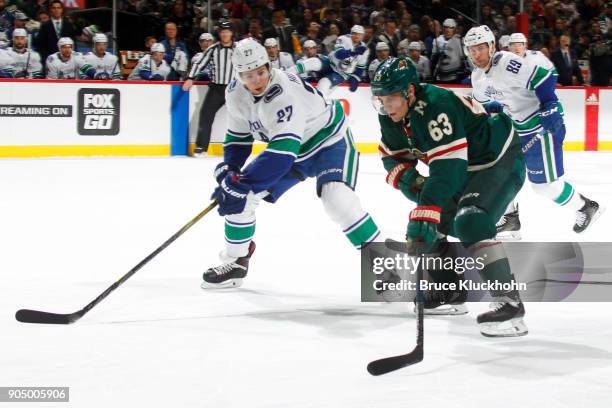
[[230, 273], [587, 215], [504, 318], [509, 227]]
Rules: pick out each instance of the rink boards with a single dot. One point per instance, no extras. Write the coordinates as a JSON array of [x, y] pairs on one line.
[[103, 118]]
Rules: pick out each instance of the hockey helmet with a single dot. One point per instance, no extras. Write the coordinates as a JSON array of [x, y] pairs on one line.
[[65, 41], [20, 32], [310, 44], [504, 41], [158, 47], [100, 38], [394, 76], [518, 38], [249, 55], [206, 36], [479, 35]]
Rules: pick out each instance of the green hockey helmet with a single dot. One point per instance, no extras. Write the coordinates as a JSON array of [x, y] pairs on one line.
[[394, 76]]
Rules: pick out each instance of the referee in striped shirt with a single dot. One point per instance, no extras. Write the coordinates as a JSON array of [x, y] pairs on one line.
[[219, 55]]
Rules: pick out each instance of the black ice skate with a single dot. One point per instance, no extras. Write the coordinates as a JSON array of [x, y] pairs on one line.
[[450, 302], [509, 227], [587, 215], [505, 317], [230, 273]]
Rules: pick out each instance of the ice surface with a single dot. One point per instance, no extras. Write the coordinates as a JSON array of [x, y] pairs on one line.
[[296, 334]]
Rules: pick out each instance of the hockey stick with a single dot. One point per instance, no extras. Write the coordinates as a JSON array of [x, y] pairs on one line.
[[35, 316], [388, 364]]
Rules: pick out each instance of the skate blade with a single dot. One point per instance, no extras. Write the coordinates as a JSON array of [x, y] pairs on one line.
[[446, 310], [600, 211], [517, 328], [228, 284], [508, 236]]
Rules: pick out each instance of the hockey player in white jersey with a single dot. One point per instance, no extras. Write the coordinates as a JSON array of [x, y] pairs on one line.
[[22, 62], [205, 40], [278, 59], [65, 63], [312, 66], [100, 64], [420, 61], [382, 54], [517, 44], [151, 67], [526, 92], [348, 62], [307, 137]]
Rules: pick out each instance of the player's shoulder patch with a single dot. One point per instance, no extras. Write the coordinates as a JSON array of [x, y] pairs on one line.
[[274, 91], [496, 58], [533, 52], [232, 85], [51, 58]]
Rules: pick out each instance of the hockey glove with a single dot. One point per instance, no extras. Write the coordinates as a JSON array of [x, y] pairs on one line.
[[231, 195], [353, 83], [422, 229], [157, 77], [91, 73], [101, 75], [222, 169], [342, 54], [406, 178], [550, 116], [493, 107], [144, 74], [360, 50], [6, 75]]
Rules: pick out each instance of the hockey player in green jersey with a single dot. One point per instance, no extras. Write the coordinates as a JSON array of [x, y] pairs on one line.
[[475, 169]]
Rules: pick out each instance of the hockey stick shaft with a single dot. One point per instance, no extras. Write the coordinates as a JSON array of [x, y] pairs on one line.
[[34, 316]]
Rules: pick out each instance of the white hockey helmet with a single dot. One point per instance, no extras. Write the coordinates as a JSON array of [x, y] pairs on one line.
[[414, 45], [20, 32], [449, 22], [517, 38], [381, 46], [270, 42], [249, 55], [357, 29], [504, 41], [158, 47], [65, 41], [100, 38], [310, 44], [479, 35], [206, 36]]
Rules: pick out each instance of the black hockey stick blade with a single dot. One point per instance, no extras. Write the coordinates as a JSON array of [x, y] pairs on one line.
[[36, 316], [388, 364]]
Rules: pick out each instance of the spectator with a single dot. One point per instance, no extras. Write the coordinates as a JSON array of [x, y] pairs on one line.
[[278, 59], [183, 19], [151, 67], [304, 24], [312, 33], [560, 27], [539, 36], [488, 20], [510, 26], [420, 61], [149, 41], [600, 59], [255, 30], [448, 60], [405, 23], [6, 17], [369, 40], [54, 29], [281, 31], [330, 40], [390, 36], [359, 7], [176, 55], [383, 52], [237, 9], [566, 64]]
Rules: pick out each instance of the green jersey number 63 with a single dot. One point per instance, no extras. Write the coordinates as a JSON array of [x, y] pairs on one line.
[[435, 131]]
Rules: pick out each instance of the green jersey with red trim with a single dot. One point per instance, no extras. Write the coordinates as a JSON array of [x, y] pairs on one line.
[[449, 132]]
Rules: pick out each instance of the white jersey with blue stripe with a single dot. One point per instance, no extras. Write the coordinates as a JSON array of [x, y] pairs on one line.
[[146, 64], [291, 116], [346, 67], [58, 68]]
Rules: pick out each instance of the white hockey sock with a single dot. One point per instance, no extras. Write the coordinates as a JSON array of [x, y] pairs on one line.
[[562, 193], [324, 86], [344, 208]]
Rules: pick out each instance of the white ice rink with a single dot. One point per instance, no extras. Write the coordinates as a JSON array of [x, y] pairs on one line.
[[295, 335]]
